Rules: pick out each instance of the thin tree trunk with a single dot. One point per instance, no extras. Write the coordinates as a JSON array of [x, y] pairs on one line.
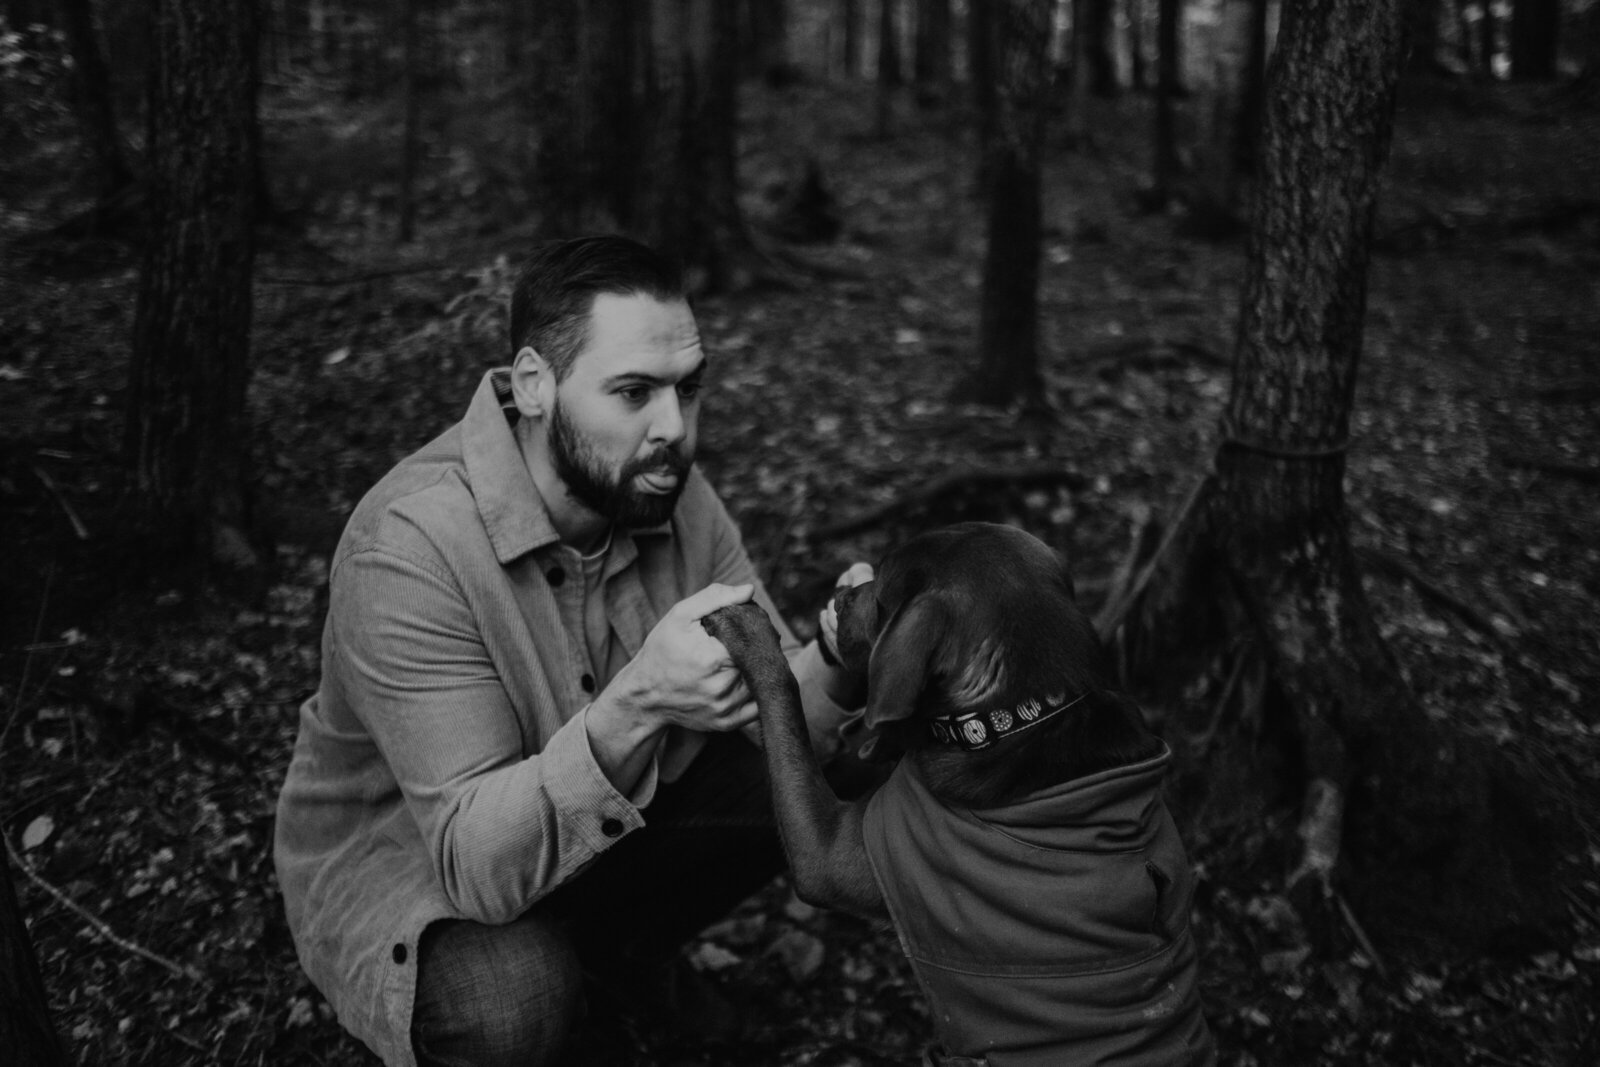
[[26, 1031], [1166, 168], [932, 64], [890, 77], [187, 429], [1489, 38], [1422, 17], [1102, 60], [411, 141], [981, 74], [1535, 34], [1247, 127], [92, 99], [557, 183], [1137, 74], [850, 14], [691, 166], [1008, 366]]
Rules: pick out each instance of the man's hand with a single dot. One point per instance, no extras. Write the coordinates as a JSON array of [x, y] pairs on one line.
[[682, 676]]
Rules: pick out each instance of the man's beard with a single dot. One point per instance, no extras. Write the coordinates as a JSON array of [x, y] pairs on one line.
[[614, 497]]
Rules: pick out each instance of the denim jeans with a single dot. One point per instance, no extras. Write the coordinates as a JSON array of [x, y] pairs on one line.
[[513, 994]]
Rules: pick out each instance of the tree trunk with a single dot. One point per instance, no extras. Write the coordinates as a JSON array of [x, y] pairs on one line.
[[1402, 818], [557, 183], [1019, 60], [1099, 18], [1422, 19], [1137, 76], [1489, 39], [187, 428], [890, 76], [692, 205], [765, 44], [850, 14], [1252, 91], [411, 139], [1535, 34], [932, 64], [92, 99], [980, 73], [1166, 167], [26, 1031]]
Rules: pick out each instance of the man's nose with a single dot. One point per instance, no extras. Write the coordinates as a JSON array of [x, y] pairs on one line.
[[666, 428]]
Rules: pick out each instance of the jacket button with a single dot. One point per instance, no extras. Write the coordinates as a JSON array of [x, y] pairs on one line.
[[611, 828], [587, 681], [555, 576], [399, 953]]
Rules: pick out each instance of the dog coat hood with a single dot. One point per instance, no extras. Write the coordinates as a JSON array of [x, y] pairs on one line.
[[1054, 930]]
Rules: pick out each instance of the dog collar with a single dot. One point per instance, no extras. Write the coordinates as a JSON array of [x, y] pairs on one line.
[[973, 730]]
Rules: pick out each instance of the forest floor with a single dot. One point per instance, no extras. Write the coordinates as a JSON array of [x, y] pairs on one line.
[[144, 733]]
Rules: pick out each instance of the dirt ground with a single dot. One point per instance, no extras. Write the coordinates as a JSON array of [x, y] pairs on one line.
[[144, 733]]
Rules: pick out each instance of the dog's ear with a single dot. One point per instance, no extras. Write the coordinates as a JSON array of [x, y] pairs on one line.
[[902, 660]]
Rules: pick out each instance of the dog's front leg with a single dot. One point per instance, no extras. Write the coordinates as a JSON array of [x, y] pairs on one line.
[[821, 833]]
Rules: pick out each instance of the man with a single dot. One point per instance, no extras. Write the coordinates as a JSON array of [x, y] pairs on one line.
[[523, 760]]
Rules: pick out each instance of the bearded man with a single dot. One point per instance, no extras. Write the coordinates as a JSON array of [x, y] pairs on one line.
[[526, 760]]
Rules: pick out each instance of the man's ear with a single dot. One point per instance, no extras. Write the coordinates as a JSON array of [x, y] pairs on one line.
[[533, 383], [902, 660]]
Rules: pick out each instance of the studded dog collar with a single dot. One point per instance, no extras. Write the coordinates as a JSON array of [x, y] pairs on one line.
[[973, 730]]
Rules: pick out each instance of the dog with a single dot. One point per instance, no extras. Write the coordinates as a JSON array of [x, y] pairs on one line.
[[1020, 846]]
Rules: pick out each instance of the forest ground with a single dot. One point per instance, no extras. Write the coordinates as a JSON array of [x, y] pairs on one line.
[[144, 733]]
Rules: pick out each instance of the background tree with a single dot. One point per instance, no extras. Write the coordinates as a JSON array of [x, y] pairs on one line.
[[1099, 20], [92, 99], [1535, 36], [890, 76], [850, 42], [1414, 822], [411, 138], [1422, 29], [1018, 35], [187, 432], [690, 172], [1166, 167], [932, 60]]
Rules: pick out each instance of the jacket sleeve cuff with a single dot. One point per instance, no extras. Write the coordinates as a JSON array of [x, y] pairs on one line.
[[600, 815]]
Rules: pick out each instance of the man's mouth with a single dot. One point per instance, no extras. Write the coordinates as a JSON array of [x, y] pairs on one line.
[[660, 480]]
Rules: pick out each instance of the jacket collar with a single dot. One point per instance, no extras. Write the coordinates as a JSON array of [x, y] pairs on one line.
[[513, 512]]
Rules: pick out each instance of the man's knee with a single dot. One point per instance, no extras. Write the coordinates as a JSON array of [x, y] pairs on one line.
[[495, 994]]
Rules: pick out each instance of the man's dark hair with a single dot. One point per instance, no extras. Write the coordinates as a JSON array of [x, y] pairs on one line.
[[556, 288]]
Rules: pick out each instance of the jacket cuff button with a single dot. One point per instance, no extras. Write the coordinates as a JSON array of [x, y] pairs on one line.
[[555, 576], [400, 953], [611, 828]]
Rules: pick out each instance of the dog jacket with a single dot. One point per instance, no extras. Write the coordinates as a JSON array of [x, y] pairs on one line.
[[1051, 931]]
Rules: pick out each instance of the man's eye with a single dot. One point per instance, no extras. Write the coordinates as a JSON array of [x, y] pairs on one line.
[[634, 394], [688, 390]]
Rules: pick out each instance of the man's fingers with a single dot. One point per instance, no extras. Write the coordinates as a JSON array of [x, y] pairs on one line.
[[858, 574], [712, 597]]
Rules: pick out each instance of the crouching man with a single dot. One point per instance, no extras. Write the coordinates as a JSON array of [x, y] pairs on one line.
[[526, 759]]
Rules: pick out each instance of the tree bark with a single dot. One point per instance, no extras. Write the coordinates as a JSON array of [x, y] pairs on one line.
[[691, 170], [850, 15], [1097, 52], [1410, 822], [1166, 167], [26, 1031], [1535, 35], [1252, 91], [411, 138], [1008, 367], [932, 65], [187, 431], [1422, 18], [980, 74], [557, 183], [1138, 77], [1489, 39], [92, 99]]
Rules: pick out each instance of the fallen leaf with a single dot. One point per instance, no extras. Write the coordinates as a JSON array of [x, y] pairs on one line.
[[38, 832]]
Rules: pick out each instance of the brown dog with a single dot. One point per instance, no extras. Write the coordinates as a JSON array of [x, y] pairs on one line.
[[1021, 846]]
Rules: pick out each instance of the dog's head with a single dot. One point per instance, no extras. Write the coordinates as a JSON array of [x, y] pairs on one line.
[[964, 618]]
